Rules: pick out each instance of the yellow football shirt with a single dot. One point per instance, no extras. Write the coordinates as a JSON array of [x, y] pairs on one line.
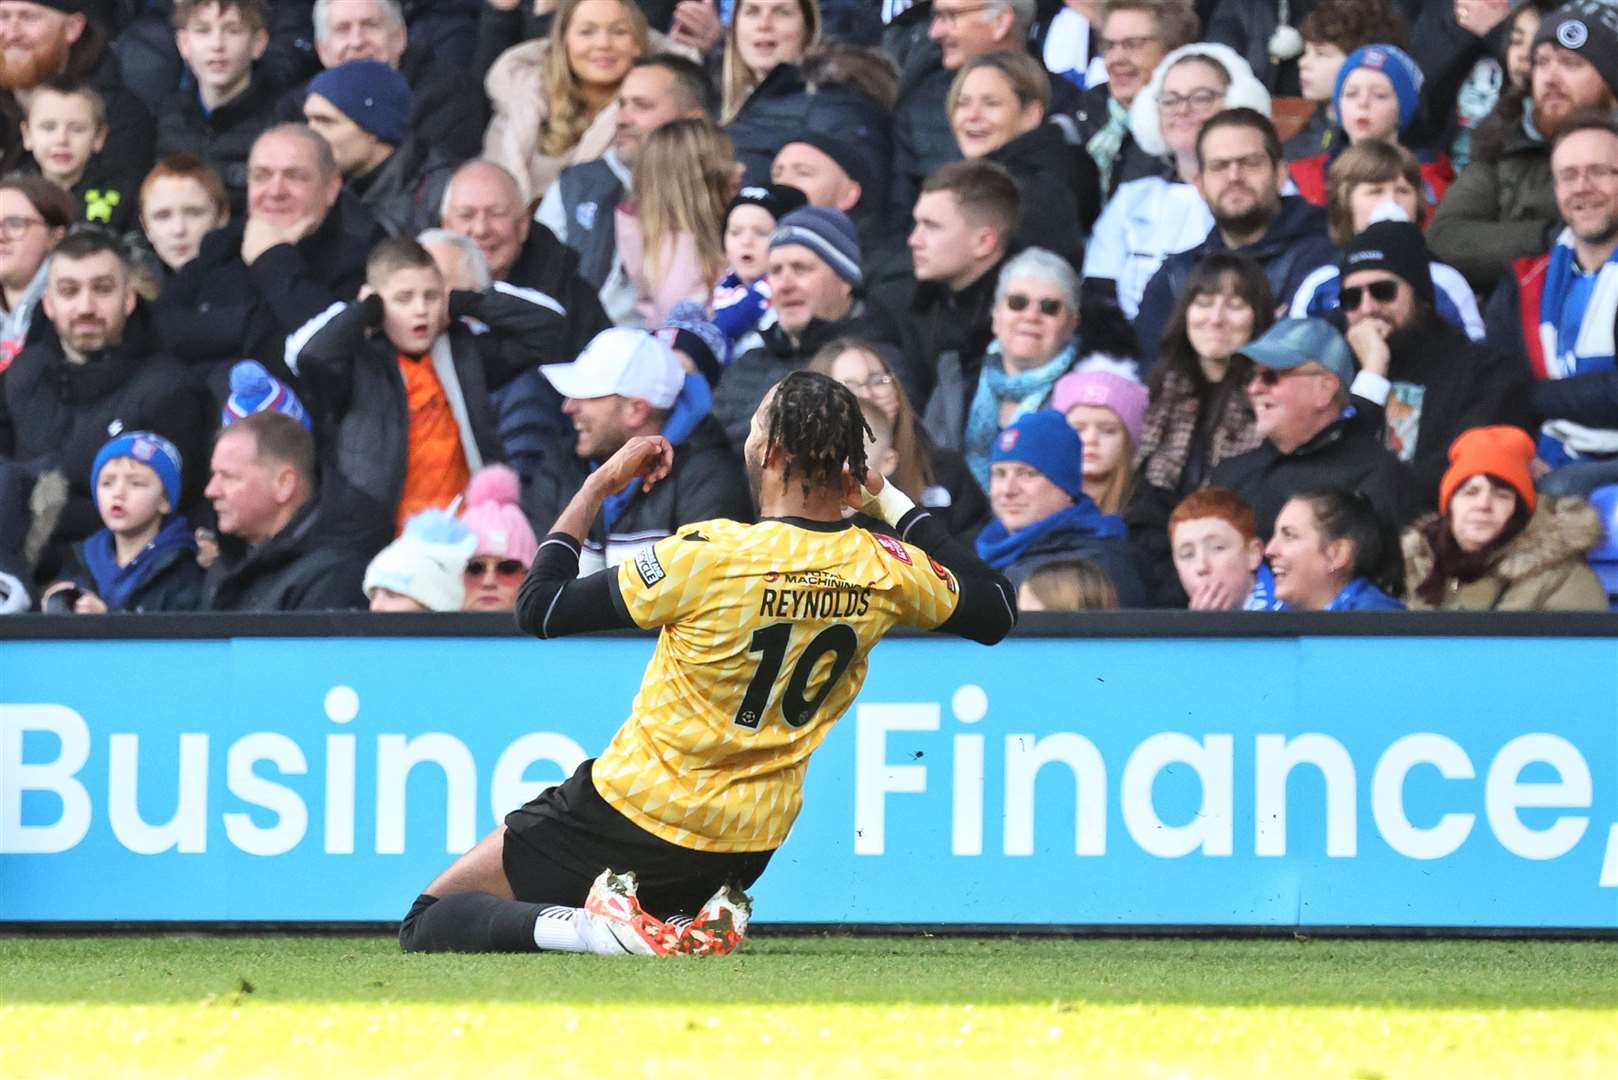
[[765, 633]]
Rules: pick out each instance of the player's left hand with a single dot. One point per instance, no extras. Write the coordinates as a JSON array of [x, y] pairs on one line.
[[862, 496], [647, 458]]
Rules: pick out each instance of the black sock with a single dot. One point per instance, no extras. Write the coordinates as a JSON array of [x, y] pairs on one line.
[[468, 922]]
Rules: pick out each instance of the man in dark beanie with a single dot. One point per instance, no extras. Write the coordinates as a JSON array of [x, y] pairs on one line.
[[815, 271], [1503, 207], [1431, 380], [362, 108], [42, 39]]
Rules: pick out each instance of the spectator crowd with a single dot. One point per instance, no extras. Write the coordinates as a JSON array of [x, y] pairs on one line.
[[1208, 304]]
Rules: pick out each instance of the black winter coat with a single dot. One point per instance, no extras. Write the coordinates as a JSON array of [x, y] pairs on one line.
[[551, 267], [362, 417], [933, 326], [60, 414], [130, 129], [1060, 188], [223, 139], [404, 193], [1294, 246], [218, 310], [1463, 384], [301, 568], [1347, 454]]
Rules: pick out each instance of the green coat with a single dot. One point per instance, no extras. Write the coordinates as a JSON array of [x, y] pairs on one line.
[[1543, 569], [1496, 211]]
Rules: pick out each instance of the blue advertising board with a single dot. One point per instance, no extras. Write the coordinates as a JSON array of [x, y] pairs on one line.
[[1463, 782]]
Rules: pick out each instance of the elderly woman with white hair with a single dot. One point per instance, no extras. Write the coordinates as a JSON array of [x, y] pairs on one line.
[[1036, 341], [1149, 219]]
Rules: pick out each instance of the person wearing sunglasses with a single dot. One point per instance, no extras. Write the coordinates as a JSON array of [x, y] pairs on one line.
[[1312, 434], [506, 544], [1431, 381], [1036, 342]]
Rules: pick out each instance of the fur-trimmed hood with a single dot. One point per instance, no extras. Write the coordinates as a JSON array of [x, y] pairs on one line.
[[1244, 90], [1560, 530]]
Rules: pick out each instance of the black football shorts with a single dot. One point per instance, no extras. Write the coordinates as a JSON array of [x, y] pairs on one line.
[[558, 844]]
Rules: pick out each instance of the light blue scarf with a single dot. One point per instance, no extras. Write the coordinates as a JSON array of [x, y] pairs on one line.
[[1029, 389]]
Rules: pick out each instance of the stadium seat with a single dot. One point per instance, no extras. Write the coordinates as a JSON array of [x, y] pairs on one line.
[[1604, 556]]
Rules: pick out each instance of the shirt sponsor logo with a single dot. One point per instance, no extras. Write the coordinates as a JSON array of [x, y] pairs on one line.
[[651, 571], [893, 547]]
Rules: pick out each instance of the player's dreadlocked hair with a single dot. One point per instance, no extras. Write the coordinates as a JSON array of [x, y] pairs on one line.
[[815, 421]]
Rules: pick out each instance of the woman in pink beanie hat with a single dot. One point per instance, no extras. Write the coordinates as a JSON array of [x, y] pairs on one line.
[[506, 542], [1109, 412]]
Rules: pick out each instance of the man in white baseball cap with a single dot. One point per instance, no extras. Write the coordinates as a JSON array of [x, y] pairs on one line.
[[627, 383]]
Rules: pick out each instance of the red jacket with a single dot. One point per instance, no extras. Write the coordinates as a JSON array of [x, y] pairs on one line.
[[1310, 175]]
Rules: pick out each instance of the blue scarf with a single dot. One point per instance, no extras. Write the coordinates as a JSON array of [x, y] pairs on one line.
[[1576, 313], [1262, 598], [1030, 389], [690, 407], [116, 584], [1000, 547], [1358, 595]]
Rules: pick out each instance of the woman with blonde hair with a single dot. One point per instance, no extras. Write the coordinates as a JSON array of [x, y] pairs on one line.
[[763, 35], [671, 237], [555, 98]]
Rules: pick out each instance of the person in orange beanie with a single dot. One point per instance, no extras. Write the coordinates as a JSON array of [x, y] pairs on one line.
[[1494, 544]]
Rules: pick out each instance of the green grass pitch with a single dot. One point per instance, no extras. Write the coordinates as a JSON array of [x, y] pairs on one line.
[[817, 1006]]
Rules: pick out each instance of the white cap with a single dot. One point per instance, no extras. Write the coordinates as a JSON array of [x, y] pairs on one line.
[[630, 363]]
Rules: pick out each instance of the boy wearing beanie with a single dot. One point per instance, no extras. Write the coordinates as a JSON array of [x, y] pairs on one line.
[[1041, 513], [144, 558], [816, 277], [1376, 95]]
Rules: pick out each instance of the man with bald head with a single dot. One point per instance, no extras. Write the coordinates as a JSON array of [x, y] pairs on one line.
[[301, 248], [484, 203]]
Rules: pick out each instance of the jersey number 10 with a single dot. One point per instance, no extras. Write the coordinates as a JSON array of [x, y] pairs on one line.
[[797, 705]]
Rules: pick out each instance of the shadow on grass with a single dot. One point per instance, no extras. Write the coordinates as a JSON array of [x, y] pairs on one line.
[[824, 970]]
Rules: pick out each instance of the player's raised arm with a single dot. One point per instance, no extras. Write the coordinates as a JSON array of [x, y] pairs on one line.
[[987, 609], [553, 599]]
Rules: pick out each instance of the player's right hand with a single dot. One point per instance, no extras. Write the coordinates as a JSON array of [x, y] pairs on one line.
[[645, 457]]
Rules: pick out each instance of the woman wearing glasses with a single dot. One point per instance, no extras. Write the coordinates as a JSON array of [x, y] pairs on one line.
[[996, 109], [1036, 341], [1153, 217], [506, 543], [34, 216], [932, 476], [1199, 413]]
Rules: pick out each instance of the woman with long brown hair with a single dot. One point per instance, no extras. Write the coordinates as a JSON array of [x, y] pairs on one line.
[[671, 238]]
